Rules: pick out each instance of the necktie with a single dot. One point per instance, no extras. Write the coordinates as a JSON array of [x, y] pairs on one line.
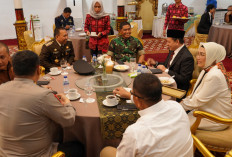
[[170, 58]]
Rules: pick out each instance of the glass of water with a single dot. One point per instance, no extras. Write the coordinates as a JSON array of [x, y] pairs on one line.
[[63, 65], [89, 92], [132, 64]]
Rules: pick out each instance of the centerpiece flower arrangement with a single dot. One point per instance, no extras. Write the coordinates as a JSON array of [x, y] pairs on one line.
[[102, 61]]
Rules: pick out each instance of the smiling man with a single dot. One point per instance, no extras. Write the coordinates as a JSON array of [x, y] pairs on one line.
[[125, 46], [57, 49], [6, 72], [179, 62]]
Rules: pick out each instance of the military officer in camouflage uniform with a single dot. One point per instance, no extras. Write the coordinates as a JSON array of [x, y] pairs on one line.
[[57, 49], [125, 46], [64, 20]]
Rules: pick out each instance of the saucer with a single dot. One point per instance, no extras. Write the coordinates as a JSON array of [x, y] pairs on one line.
[[77, 97], [108, 105], [59, 72]]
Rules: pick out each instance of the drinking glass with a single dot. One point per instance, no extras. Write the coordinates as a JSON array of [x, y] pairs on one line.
[[63, 65], [88, 92], [132, 64]]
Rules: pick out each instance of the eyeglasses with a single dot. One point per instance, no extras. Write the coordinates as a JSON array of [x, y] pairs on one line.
[[136, 95]]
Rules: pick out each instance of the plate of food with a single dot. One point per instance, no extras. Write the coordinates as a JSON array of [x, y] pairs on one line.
[[167, 80], [78, 29], [82, 34], [121, 67]]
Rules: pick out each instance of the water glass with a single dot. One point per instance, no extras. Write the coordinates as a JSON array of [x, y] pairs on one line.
[[89, 92], [132, 64], [63, 65]]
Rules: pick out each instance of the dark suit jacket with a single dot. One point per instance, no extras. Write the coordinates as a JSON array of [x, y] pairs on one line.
[[182, 68], [205, 24], [60, 21]]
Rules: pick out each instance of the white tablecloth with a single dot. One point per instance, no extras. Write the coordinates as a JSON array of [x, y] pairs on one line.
[[157, 28]]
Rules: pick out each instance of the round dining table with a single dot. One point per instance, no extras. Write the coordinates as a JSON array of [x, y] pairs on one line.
[[87, 127], [222, 34]]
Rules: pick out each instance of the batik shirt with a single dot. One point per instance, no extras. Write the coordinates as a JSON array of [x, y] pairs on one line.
[[98, 25], [180, 11], [125, 48]]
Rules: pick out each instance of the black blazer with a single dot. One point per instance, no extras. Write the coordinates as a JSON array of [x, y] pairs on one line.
[[205, 24], [182, 68]]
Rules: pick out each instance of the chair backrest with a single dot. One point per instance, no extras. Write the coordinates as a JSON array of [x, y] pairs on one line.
[[37, 46], [29, 39], [54, 27], [196, 23], [110, 37], [134, 29]]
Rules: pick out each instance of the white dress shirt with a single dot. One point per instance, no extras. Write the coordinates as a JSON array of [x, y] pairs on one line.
[[213, 96], [162, 130]]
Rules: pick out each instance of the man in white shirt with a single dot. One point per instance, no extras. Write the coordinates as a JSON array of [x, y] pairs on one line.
[[163, 128], [179, 65]]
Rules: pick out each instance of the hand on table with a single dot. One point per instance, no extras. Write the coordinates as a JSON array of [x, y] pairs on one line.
[[151, 61], [122, 92], [63, 99], [88, 33], [161, 67]]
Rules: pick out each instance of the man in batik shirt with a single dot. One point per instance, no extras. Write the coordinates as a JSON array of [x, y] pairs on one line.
[[176, 17], [125, 46]]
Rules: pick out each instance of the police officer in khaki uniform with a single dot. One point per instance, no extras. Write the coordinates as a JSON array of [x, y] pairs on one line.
[[57, 49], [64, 20]]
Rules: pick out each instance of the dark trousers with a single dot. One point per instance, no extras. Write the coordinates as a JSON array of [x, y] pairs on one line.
[[72, 149], [96, 52]]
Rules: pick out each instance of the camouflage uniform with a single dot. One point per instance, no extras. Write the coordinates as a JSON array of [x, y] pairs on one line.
[[52, 53], [124, 49]]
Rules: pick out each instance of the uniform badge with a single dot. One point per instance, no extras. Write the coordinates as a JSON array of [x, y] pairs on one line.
[[70, 20], [61, 20]]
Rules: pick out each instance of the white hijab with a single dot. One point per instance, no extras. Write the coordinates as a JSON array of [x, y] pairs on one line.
[[214, 52], [101, 13]]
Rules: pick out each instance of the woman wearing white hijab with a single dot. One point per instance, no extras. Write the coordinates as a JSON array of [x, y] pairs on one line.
[[212, 91], [97, 26]]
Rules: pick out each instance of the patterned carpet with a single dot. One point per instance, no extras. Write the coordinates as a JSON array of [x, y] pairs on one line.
[[159, 45]]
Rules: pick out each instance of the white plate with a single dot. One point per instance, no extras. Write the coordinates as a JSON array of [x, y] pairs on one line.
[[77, 97], [78, 29], [166, 80], [108, 105], [53, 74], [93, 35], [121, 67], [82, 34]]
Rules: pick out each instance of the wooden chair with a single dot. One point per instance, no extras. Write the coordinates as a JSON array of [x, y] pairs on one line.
[[110, 37], [219, 141], [204, 151]]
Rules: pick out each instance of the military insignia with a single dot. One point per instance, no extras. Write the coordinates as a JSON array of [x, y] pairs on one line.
[[70, 20], [67, 47], [49, 43], [61, 20], [55, 50]]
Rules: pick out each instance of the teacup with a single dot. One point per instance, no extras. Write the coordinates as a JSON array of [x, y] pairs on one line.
[[54, 70], [112, 100], [72, 93], [94, 33]]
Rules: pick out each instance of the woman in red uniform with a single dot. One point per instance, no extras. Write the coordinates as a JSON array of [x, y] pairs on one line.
[[97, 21]]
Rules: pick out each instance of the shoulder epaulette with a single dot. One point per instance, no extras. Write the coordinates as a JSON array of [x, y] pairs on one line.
[[49, 43]]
